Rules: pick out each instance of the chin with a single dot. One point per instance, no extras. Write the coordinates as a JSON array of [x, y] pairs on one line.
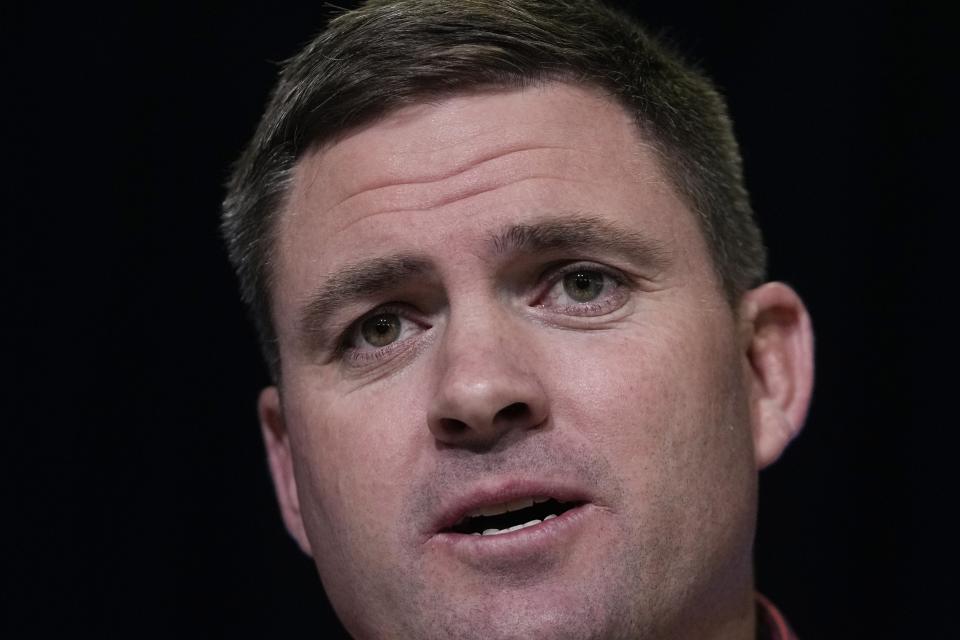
[[555, 614], [579, 601]]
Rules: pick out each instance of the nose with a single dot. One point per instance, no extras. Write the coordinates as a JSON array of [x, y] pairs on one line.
[[488, 386]]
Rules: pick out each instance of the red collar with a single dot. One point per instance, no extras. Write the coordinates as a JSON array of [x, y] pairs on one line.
[[771, 625]]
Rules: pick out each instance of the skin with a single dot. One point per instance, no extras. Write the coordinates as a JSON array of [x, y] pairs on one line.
[[655, 399]]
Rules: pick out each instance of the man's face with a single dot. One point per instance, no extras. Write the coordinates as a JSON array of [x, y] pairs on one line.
[[489, 301]]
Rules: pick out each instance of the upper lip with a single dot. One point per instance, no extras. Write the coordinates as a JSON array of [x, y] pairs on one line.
[[456, 507]]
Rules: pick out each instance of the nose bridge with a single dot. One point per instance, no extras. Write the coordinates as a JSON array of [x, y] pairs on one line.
[[487, 383], [478, 337]]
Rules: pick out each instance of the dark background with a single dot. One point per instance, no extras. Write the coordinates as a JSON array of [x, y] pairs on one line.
[[138, 501]]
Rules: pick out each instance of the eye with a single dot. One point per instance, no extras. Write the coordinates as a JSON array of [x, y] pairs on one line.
[[380, 330], [383, 332], [584, 290], [583, 285]]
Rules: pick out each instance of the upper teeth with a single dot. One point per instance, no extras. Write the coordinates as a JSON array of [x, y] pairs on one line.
[[505, 507]]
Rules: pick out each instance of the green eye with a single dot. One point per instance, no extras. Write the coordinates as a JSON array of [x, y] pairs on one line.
[[381, 330], [583, 285]]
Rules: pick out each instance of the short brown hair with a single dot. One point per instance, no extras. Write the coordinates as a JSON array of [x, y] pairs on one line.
[[391, 53]]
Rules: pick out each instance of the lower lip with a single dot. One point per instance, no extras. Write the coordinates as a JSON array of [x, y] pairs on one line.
[[539, 538]]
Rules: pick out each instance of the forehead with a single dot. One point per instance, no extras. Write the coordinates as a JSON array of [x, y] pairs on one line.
[[435, 175], [429, 142]]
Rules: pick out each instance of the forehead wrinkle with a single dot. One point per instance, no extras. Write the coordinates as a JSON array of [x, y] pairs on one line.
[[440, 176], [470, 191]]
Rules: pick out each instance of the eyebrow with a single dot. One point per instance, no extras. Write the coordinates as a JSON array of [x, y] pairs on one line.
[[375, 276], [581, 233], [353, 282]]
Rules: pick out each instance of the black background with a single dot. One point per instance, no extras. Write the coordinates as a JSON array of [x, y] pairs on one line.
[[138, 501]]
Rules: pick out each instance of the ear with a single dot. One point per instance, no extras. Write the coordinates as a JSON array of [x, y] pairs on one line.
[[280, 459], [778, 342]]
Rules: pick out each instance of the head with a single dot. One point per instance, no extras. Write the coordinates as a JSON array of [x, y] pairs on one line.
[[504, 267]]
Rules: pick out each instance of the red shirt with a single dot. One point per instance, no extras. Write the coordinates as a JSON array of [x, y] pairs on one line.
[[771, 625]]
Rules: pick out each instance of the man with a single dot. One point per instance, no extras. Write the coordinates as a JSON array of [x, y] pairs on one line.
[[509, 287]]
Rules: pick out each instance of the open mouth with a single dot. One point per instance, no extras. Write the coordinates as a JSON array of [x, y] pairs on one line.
[[511, 516]]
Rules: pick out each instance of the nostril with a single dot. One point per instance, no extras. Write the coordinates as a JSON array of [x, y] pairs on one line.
[[453, 426], [515, 411], [480, 430]]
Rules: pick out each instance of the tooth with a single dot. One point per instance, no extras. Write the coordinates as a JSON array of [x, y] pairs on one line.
[[492, 510], [550, 517], [482, 512], [491, 532], [517, 527], [475, 534], [522, 503], [504, 507]]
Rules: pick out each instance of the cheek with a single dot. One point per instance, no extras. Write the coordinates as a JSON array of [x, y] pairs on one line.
[[666, 407], [355, 454], [663, 400]]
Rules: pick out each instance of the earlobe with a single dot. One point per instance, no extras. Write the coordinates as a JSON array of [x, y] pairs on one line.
[[779, 354], [280, 460]]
